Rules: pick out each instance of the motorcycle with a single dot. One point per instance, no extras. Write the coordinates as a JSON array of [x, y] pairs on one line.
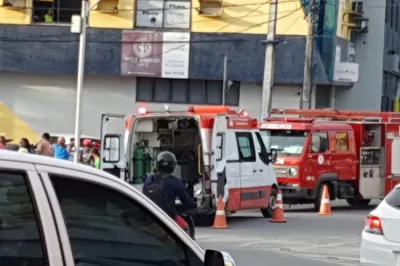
[[187, 215]]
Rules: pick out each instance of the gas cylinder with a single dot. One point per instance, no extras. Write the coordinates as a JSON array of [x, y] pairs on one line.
[[138, 166]]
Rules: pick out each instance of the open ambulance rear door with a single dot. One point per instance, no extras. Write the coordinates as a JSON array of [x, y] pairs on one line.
[[113, 144], [218, 156]]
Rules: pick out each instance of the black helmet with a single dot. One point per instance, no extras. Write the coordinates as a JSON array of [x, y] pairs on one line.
[[166, 162]]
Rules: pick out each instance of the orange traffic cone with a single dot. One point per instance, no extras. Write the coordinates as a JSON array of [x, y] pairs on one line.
[[325, 207], [279, 216], [220, 217]]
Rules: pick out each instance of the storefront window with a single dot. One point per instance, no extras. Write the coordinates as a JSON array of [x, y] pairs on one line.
[[163, 14], [55, 11]]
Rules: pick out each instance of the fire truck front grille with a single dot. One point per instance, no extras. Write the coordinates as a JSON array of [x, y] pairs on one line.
[[281, 171]]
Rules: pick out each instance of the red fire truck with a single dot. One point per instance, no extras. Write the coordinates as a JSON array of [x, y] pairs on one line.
[[356, 153], [219, 150]]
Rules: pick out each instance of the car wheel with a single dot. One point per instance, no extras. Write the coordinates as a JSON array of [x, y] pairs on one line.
[[269, 211]]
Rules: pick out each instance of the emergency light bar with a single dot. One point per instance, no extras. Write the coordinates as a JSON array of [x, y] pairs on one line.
[[142, 110], [205, 109]]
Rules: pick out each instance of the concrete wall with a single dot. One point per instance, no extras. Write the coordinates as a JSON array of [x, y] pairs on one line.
[[47, 103], [12, 15], [52, 49], [103, 16], [366, 94], [391, 79], [342, 29]]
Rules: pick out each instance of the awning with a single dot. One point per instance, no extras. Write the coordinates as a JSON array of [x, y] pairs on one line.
[[14, 127]]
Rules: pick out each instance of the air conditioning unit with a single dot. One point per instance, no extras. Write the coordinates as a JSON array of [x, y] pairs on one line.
[[351, 52], [394, 60], [210, 8]]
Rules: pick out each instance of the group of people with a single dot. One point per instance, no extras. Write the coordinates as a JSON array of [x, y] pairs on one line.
[[88, 155]]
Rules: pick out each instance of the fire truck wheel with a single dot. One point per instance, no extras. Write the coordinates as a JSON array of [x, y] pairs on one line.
[[269, 211], [358, 202]]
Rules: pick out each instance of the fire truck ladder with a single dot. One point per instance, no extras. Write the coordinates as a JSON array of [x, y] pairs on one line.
[[339, 115]]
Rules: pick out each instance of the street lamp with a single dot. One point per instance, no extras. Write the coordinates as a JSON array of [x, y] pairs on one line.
[[79, 25]]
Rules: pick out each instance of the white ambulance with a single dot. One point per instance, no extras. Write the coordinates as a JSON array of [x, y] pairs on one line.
[[218, 149]]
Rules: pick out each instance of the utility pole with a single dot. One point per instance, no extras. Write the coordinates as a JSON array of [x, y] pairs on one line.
[[225, 79], [305, 102], [80, 77], [79, 25], [268, 81]]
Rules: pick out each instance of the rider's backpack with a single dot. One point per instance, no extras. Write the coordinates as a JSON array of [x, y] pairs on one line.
[[155, 191]]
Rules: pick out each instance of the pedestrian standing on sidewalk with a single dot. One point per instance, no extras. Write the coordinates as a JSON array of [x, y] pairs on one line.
[[3, 142], [85, 155], [44, 147], [24, 146], [96, 158], [61, 151]]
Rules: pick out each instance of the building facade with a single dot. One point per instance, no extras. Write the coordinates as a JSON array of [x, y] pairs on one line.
[[378, 55], [142, 52]]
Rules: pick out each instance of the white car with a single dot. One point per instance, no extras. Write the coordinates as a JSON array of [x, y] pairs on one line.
[[54, 212], [380, 241]]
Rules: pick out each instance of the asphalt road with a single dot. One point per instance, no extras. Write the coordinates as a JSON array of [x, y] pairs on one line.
[[305, 240]]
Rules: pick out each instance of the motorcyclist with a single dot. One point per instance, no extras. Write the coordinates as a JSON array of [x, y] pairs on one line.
[[163, 188]]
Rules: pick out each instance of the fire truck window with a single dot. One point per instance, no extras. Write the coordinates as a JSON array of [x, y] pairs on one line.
[[319, 142], [342, 141], [246, 146]]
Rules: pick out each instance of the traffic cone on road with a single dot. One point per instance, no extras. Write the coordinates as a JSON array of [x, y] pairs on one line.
[[325, 206], [278, 216], [220, 217]]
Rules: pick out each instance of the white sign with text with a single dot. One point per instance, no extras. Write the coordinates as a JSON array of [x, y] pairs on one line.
[[175, 59]]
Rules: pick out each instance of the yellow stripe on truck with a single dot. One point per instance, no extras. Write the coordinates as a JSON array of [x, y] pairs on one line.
[[14, 127]]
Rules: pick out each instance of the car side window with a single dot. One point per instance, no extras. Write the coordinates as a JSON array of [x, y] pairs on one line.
[[21, 241], [319, 142], [262, 146], [108, 228], [246, 146]]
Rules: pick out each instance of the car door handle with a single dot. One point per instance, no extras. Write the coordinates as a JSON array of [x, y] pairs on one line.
[[254, 171], [261, 170]]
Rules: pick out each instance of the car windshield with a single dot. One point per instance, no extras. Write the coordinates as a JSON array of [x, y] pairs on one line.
[[286, 142]]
